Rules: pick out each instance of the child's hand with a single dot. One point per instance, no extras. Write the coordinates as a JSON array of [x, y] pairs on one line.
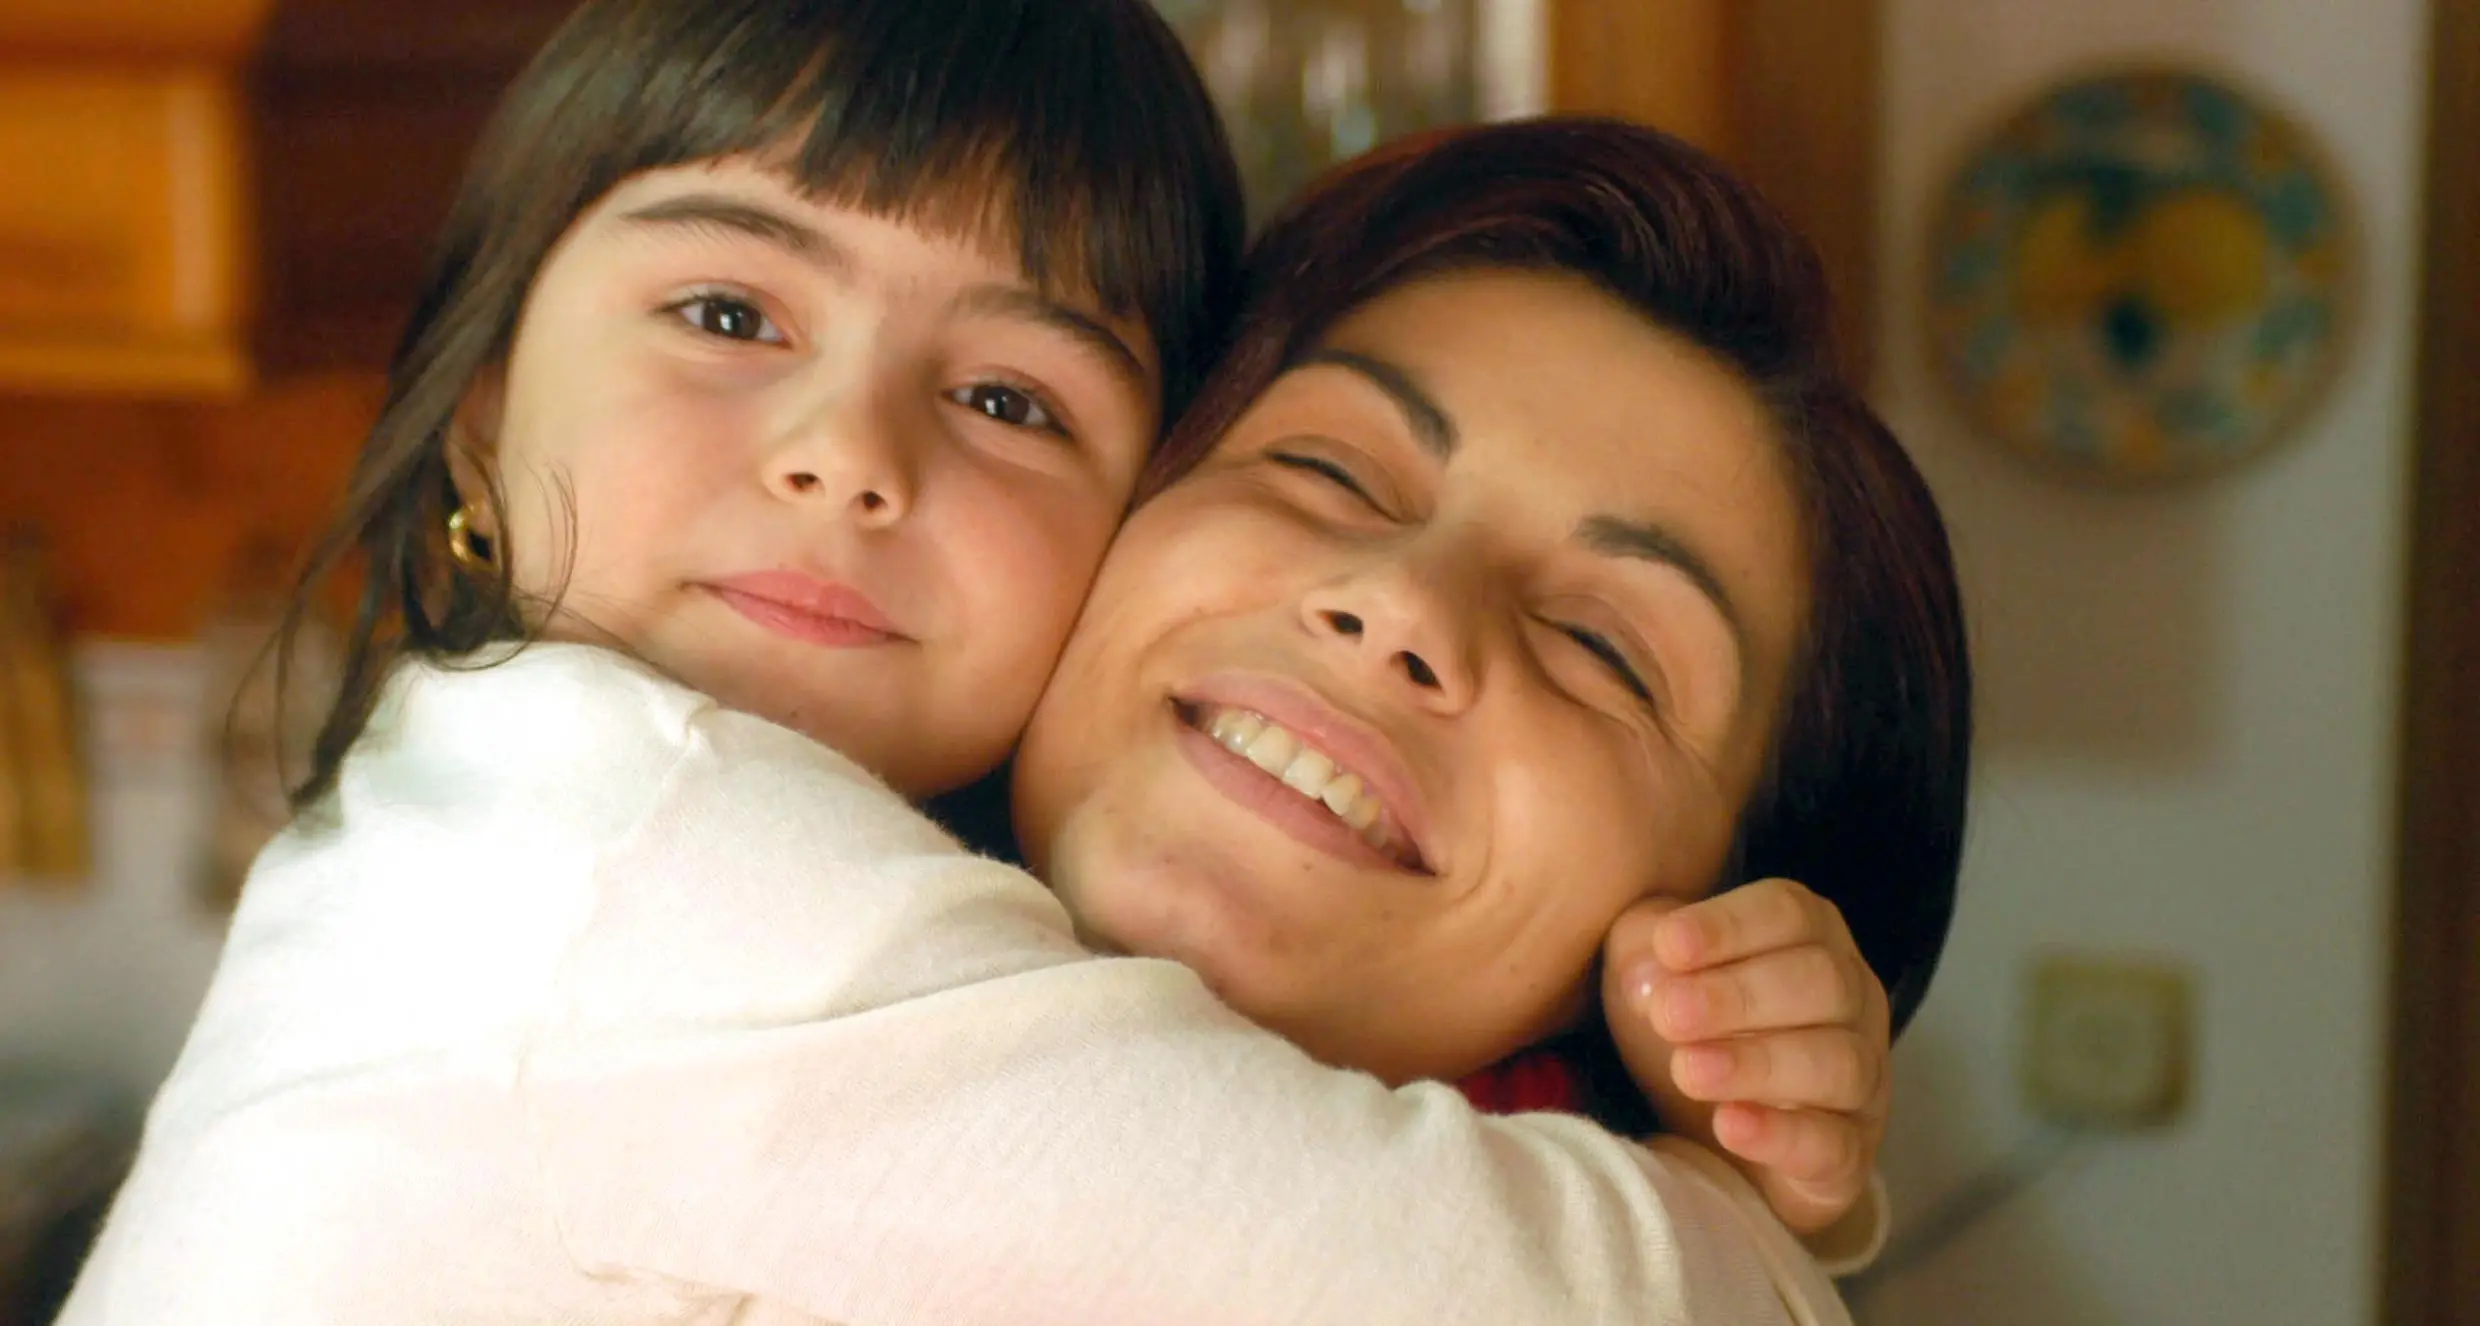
[[1751, 1022]]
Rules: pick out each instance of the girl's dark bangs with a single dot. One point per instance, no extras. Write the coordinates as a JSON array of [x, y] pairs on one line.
[[980, 119]]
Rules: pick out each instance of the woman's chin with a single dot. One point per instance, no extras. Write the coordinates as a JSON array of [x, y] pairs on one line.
[[1201, 936]]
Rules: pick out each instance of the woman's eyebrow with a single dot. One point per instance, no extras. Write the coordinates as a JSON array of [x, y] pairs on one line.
[[1646, 541], [1431, 425]]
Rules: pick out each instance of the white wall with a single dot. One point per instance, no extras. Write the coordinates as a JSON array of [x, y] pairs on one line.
[[101, 981], [2188, 731]]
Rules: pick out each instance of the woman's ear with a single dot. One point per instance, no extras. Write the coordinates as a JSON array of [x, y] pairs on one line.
[[473, 448]]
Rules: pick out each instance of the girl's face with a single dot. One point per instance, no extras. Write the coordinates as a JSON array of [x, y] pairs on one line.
[[832, 469], [1471, 632]]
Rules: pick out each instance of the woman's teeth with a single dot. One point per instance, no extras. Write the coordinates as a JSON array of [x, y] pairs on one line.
[[1308, 772]]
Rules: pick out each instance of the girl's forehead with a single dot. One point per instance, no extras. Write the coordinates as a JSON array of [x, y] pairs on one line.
[[975, 212]]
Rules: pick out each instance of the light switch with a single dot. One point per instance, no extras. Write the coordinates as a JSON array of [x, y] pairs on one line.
[[2108, 1041]]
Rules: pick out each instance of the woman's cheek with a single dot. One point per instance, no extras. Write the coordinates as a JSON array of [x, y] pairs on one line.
[[1253, 544], [1168, 566], [1589, 822]]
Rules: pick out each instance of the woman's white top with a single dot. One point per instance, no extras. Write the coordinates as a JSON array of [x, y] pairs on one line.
[[594, 1002]]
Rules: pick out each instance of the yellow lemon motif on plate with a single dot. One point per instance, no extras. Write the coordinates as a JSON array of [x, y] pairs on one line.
[[2204, 255], [2059, 275]]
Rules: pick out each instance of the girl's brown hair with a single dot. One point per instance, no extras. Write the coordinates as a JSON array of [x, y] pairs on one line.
[[1079, 125], [1865, 797]]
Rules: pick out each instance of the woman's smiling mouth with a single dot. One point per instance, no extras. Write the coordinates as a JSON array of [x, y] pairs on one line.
[[1288, 779], [1301, 767]]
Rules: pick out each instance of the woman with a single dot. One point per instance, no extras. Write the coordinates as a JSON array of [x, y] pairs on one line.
[[1528, 556]]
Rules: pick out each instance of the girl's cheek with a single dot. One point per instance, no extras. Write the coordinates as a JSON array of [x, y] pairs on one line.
[[1037, 554]]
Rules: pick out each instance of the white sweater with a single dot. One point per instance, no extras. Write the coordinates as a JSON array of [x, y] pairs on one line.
[[596, 1003]]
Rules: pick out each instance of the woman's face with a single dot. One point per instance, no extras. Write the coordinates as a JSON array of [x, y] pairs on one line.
[[1467, 635]]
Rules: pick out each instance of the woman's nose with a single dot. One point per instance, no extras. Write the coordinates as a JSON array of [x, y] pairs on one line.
[[851, 456], [1396, 620]]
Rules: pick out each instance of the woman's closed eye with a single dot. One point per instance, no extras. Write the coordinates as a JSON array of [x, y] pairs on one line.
[[728, 317], [1612, 658], [1332, 471], [1009, 404]]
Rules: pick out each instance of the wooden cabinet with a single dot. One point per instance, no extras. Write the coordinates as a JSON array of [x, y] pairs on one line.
[[124, 227], [122, 231], [193, 195], [214, 216], [132, 30]]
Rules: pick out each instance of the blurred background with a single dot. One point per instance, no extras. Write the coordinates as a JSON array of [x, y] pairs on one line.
[[2202, 1047]]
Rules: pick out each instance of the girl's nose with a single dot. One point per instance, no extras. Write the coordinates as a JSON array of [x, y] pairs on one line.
[[852, 457], [883, 501]]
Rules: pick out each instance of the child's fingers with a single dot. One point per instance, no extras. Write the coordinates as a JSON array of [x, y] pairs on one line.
[[1631, 971], [1824, 1068], [1630, 947], [1807, 986], [1629, 975], [1817, 1149], [1752, 919], [1811, 1166]]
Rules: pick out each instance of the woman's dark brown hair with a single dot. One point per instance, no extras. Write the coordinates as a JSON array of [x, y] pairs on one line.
[[1864, 800], [1081, 124]]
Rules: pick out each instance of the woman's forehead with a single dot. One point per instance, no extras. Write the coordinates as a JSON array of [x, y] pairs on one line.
[[1553, 369]]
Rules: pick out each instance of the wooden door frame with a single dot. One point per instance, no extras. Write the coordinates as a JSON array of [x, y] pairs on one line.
[[1786, 91], [2432, 1235]]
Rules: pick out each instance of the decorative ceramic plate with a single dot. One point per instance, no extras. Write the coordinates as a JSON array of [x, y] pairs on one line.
[[2144, 275]]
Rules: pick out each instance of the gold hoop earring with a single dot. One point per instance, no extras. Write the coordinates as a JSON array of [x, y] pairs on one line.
[[461, 547]]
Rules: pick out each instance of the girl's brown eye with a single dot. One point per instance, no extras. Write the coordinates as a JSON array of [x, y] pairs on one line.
[[726, 318], [1013, 406]]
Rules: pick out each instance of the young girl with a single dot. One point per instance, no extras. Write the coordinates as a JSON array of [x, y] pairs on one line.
[[786, 371]]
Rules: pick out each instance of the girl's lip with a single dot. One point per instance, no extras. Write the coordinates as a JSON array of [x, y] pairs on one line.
[[1258, 792], [806, 608], [1350, 743]]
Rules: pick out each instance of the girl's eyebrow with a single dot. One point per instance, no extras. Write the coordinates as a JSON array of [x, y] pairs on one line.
[[706, 211], [1087, 330]]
